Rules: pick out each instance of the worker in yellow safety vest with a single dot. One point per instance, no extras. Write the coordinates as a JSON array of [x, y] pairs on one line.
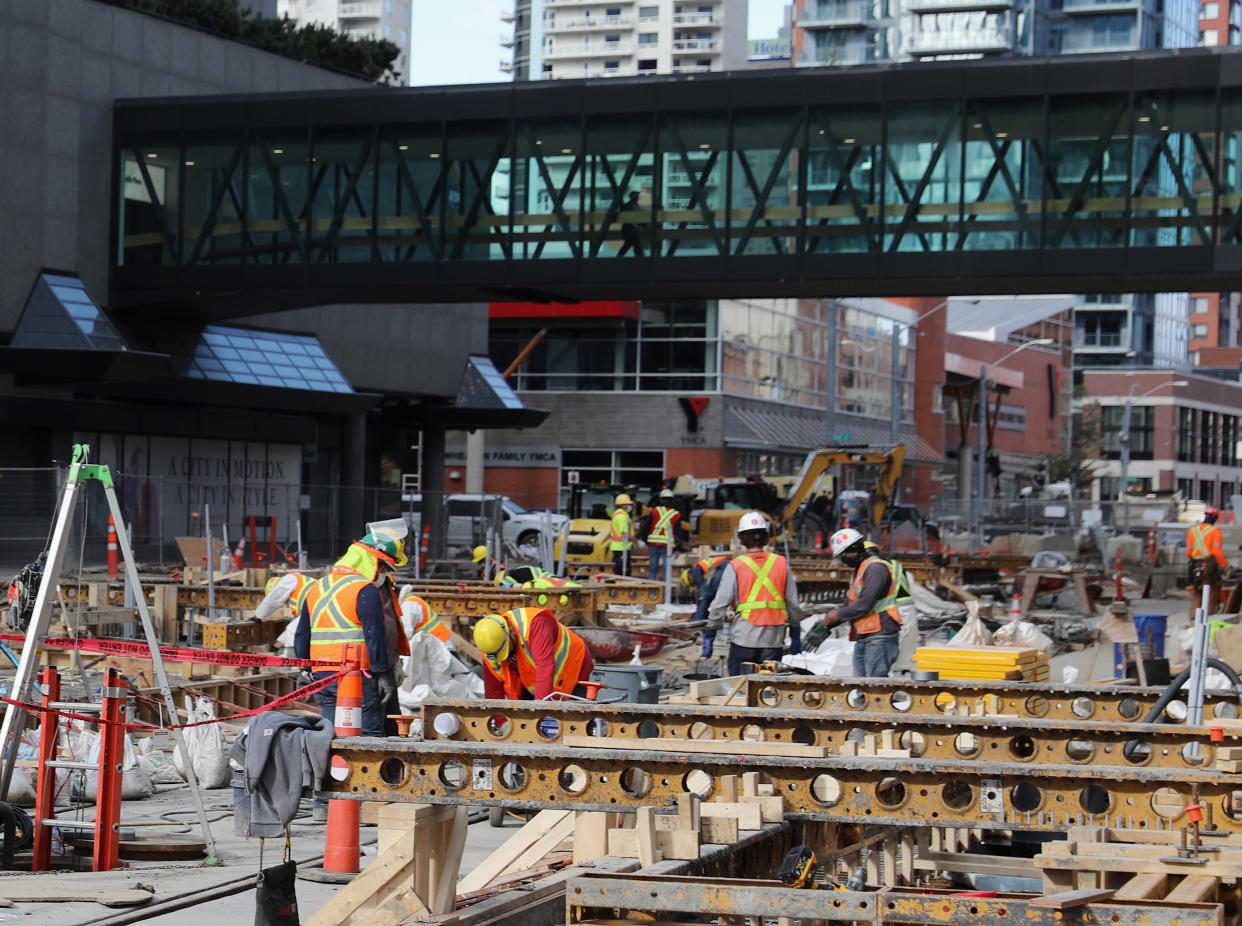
[[356, 605], [621, 534], [1205, 546], [759, 588], [528, 654], [874, 608], [661, 536]]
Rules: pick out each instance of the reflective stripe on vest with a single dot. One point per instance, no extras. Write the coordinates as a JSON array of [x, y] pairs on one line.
[[759, 599], [662, 531], [901, 583], [331, 628], [619, 535], [299, 595], [430, 621], [1199, 533], [873, 622], [707, 565]]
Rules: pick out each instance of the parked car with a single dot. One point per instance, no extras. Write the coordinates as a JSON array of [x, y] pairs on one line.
[[471, 513]]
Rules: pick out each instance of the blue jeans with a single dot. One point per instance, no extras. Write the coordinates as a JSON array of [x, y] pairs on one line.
[[874, 655], [741, 654], [372, 709], [656, 552]]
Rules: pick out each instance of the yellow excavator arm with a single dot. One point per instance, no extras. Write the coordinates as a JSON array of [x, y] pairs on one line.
[[819, 462]]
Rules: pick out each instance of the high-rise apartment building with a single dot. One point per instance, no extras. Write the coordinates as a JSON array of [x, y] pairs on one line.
[[376, 19], [624, 38]]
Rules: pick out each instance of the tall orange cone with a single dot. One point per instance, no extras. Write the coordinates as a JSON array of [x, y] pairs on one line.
[[819, 542], [1015, 607], [239, 554], [340, 851], [423, 544], [113, 569]]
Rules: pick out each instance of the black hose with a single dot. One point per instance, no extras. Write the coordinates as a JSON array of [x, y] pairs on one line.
[[1174, 687], [9, 819]]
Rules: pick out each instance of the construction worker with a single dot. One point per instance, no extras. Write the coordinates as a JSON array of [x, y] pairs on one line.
[[661, 535], [528, 654], [1205, 545], [417, 616], [873, 612], [479, 554], [759, 586], [621, 533], [704, 577], [284, 592], [355, 604]]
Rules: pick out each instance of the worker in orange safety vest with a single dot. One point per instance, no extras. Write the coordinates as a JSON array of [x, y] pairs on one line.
[[528, 654], [1205, 546]]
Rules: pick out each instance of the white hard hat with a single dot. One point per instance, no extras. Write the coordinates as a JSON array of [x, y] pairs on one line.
[[843, 539], [752, 521]]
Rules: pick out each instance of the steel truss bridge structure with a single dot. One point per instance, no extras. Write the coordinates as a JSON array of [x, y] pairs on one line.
[[1077, 173]]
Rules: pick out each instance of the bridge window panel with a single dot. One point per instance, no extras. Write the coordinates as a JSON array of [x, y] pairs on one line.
[[277, 178], [619, 187], [1229, 217], [478, 190], [1173, 167], [842, 191], [411, 185], [546, 189], [763, 211], [211, 202], [1088, 171], [1002, 186], [922, 176], [342, 227], [691, 200], [148, 211]]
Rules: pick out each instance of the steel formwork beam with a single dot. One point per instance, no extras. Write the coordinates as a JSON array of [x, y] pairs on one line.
[[592, 897], [943, 737], [880, 791]]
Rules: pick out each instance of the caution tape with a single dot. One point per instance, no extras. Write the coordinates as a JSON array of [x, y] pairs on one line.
[[296, 695], [177, 653]]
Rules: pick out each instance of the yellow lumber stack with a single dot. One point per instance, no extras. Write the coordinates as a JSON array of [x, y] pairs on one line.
[[984, 663]]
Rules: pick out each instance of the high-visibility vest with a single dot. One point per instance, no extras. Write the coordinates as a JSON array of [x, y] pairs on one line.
[[550, 581], [709, 564], [761, 587], [1201, 543], [619, 536], [570, 651], [873, 622], [901, 583], [662, 524], [430, 621], [298, 595], [332, 604]]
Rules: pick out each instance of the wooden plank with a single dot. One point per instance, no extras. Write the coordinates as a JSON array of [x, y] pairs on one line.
[[1051, 865], [510, 849], [711, 747], [1149, 886], [443, 897], [1194, 889], [771, 809], [543, 845], [1068, 899], [382, 895], [678, 844], [688, 813], [728, 789], [748, 816], [718, 831], [590, 835], [623, 843], [648, 852]]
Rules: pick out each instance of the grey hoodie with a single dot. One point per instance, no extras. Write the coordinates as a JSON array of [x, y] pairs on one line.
[[281, 755]]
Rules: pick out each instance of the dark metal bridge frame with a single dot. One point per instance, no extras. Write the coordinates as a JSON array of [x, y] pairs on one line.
[[1084, 174]]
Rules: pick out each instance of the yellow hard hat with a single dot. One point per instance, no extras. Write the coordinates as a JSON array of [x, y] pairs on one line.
[[871, 546], [491, 636], [623, 499], [479, 553], [685, 578]]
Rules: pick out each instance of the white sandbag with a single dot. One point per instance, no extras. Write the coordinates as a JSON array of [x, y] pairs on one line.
[[159, 769], [21, 791], [1022, 633], [205, 745], [135, 782], [431, 670], [973, 633]]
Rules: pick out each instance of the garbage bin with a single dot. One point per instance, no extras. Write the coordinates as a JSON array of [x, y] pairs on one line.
[[636, 684]]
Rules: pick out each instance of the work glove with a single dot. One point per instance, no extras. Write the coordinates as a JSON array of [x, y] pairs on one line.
[[795, 639], [709, 640], [386, 683], [816, 636], [305, 678]]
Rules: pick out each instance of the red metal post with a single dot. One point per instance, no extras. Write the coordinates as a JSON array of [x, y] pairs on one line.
[[45, 775], [111, 766]]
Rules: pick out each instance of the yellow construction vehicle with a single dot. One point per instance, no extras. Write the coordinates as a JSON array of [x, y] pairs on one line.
[[590, 512]]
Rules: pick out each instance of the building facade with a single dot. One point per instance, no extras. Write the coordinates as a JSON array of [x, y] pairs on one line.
[[554, 39], [377, 19]]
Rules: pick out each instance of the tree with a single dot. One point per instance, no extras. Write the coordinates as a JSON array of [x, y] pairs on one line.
[[1079, 457]]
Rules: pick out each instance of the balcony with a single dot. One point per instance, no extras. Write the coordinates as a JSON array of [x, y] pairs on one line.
[[351, 11], [565, 52], [956, 6], [698, 19], [851, 14], [692, 68], [838, 56], [507, 15], [587, 24], [1081, 42], [506, 66], [1099, 7], [506, 40], [694, 45], [972, 41]]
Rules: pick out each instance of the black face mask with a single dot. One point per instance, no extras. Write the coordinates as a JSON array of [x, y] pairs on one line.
[[853, 559]]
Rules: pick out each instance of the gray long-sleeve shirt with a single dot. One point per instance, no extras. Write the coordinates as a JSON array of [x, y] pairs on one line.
[[742, 631], [876, 581]]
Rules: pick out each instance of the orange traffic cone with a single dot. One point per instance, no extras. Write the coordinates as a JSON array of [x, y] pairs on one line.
[[239, 554], [819, 542], [1015, 608], [423, 544], [340, 850], [112, 557]]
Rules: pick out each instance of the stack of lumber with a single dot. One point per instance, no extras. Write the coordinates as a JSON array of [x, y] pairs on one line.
[[984, 663]]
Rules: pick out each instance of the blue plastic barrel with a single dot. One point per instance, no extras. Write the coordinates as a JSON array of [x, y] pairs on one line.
[[1155, 624]]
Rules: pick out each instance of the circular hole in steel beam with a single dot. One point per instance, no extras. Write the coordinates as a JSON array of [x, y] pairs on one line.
[[392, 772], [1167, 803], [812, 698], [572, 779], [648, 729], [634, 782], [752, 733], [1095, 799], [857, 699], [1021, 747], [701, 731], [1037, 706], [769, 696], [549, 727], [1025, 797], [914, 741], [452, 775], [1079, 750], [826, 790], [945, 702], [890, 793], [499, 726], [1082, 708], [901, 701], [698, 782], [1225, 710], [957, 795], [966, 744], [511, 776], [1128, 708], [803, 735], [1195, 754], [1137, 752]]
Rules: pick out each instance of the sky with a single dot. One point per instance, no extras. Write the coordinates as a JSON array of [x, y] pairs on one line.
[[458, 41]]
